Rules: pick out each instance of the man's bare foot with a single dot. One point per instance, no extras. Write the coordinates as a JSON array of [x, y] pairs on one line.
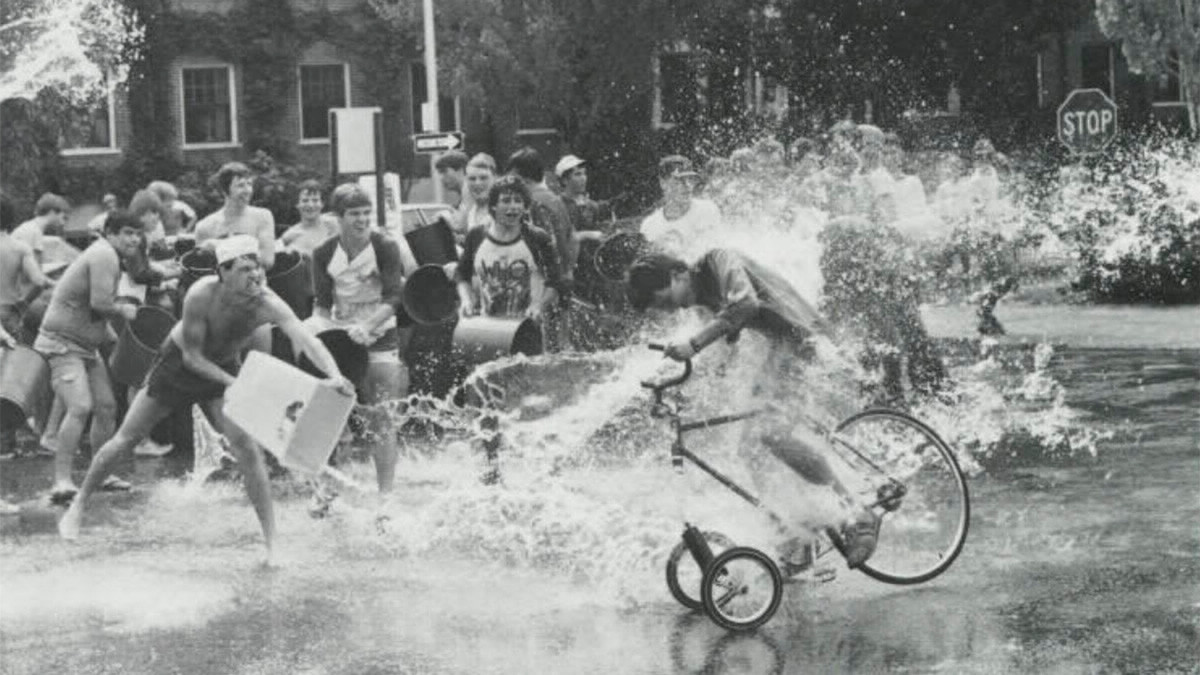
[[68, 526]]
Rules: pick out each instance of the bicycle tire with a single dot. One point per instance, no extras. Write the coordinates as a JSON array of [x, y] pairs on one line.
[[717, 591], [674, 584], [941, 490]]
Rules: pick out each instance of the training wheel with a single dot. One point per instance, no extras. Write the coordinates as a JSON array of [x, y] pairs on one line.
[[741, 589], [684, 574]]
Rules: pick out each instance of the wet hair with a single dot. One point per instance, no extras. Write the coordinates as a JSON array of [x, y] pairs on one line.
[[165, 191], [145, 201], [348, 196], [8, 214], [483, 161], [510, 184], [649, 274], [119, 219], [310, 185], [455, 159], [228, 172], [527, 164], [49, 203]]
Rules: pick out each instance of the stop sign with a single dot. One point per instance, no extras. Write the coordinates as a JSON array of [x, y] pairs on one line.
[[1087, 121]]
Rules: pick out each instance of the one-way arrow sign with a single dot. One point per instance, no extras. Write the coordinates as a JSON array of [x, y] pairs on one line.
[[440, 141]]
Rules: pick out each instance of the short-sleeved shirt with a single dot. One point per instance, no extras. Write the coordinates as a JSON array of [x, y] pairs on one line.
[[744, 294], [509, 276], [354, 288], [688, 235]]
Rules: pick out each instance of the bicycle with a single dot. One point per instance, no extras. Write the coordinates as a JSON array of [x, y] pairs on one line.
[[901, 470]]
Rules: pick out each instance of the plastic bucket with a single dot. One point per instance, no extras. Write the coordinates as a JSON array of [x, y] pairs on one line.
[[351, 357], [197, 263], [138, 344], [432, 244], [430, 296], [183, 245], [24, 387], [482, 338], [291, 279]]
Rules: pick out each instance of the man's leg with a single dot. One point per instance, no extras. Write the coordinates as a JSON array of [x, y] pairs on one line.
[[69, 380], [104, 405], [252, 465], [383, 383], [143, 414], [54, 420]]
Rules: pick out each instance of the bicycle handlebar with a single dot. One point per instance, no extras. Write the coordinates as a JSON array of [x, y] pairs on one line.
[[661, 385]]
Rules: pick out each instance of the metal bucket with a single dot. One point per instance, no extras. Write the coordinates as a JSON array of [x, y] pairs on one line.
[[483, 338], [24, 387], [351, 357], [291, 279], [432, 244], [430, 296], [139, 343]]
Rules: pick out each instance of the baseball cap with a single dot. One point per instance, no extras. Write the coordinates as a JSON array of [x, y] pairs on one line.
[[567, 163], [231, 248], [676, 166]]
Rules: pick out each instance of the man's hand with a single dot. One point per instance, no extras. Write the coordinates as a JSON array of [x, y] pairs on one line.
[[681, 350], [7, 340], [128, 310], [534, 312], [466, 309], [359, 334], [342, 385]]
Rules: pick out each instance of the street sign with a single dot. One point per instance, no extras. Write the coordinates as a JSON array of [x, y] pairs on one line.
[[438, 141], [1087, 121]]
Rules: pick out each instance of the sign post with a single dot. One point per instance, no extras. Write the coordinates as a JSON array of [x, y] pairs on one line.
[[1087, 121], [356, 147]]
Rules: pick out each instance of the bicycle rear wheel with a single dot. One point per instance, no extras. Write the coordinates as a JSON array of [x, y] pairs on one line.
[[912, 481]]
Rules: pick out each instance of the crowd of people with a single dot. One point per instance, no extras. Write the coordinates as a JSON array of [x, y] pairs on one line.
[[522, 248]]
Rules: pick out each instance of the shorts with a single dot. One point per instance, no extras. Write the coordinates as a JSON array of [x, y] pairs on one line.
[[173, 384]]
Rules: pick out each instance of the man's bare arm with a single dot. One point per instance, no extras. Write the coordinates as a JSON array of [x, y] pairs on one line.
[[103, 272], [281, 315], [266, 239]]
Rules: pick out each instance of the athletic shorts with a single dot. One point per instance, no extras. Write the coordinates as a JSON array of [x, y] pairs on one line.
[[173, 384]]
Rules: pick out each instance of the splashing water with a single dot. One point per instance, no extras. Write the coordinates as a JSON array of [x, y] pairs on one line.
[[79, 48]]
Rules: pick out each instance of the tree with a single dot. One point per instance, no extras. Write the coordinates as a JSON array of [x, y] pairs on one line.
[[1159, 37], [56, 57]]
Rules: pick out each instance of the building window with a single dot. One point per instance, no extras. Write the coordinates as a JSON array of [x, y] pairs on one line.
[[90, 130], [1166, 85], [448, 106], [208, 106], [321, 87], [1096, 68]]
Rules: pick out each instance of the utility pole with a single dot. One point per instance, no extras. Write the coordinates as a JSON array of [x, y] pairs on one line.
[[429, 112]]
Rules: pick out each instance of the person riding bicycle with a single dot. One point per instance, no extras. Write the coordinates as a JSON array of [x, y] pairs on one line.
[[742, 293]]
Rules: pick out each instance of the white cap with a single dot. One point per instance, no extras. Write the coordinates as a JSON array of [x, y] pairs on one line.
[[566, 164], [231, 248]]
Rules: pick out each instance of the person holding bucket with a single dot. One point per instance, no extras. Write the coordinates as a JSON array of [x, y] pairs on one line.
[[199, 359], [74, 327], [509, 268], [359, 280]]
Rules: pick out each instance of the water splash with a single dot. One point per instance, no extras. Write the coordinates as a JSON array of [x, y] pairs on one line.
[[79, 48]]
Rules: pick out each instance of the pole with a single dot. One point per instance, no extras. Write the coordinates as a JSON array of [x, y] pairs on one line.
[[431, 93]]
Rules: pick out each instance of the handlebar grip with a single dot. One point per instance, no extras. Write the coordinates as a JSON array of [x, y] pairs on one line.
[[657, 346]]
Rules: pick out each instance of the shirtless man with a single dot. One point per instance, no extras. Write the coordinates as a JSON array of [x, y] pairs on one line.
[[21, 278], [315, 227], [237, 216], [198, 361], [74, 328], [51, 211]]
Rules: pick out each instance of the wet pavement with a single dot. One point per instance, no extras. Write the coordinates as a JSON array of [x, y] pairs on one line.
[[1075, 563]]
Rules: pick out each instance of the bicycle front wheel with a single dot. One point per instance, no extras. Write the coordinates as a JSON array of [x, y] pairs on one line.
[[910, 478]]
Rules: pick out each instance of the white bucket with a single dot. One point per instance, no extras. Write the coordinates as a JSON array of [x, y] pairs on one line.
[[289, 412]]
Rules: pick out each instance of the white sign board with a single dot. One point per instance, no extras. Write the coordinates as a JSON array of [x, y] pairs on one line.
[[355, 129]]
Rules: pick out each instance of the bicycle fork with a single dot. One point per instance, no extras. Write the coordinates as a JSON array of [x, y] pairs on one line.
[[698, 546]]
